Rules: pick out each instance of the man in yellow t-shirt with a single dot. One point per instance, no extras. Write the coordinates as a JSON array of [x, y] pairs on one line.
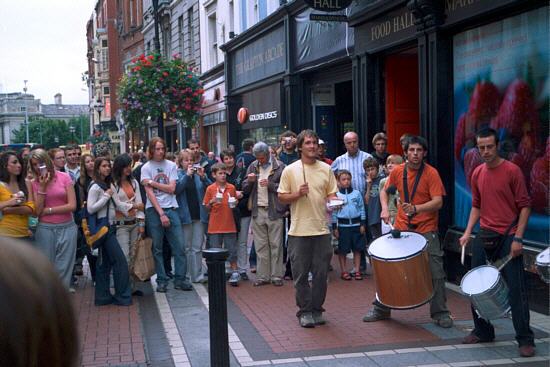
[[307, 185]]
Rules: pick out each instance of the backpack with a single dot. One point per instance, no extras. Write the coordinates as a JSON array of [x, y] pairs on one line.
[[95, 229]]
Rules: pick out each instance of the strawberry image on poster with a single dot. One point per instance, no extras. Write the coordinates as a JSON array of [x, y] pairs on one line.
[[460, 136], [517, 113], [472, 159], [540, 182], [483, 107]]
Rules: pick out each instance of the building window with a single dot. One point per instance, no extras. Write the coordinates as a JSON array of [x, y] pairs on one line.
[[104, 43], [244, 25], [231, 16], [106, 91], [180, 36], [262, 9], [132, 14], [212, 40], [190, 34], [166, 37], [22, 109], [104, 60]]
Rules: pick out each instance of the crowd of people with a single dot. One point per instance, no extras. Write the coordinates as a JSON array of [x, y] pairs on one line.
[[293, 199]]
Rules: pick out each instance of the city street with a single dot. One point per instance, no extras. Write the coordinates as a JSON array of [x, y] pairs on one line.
[[172, 330]]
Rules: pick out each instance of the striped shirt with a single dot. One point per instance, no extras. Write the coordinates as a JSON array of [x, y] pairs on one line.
[[355, 166]]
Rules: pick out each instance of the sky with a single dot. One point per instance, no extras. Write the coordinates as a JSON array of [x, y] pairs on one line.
[[44, 42]]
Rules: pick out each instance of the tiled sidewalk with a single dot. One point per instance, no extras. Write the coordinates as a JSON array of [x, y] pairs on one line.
[[109, 335]]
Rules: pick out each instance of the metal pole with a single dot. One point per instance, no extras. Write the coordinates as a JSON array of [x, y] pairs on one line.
[[217, 305], [26, 112], [160, 119]]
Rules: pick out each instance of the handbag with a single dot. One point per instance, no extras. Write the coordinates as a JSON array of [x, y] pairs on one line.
[[142, 263], [95, 229]]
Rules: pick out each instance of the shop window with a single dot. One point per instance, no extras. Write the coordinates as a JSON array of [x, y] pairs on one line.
[[500, 73]]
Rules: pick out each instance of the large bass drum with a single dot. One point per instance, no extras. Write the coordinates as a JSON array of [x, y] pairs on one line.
[[401, 270], [487, 291]]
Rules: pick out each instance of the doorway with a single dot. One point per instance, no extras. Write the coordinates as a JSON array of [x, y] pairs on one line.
[[402, 97], [333, 115]]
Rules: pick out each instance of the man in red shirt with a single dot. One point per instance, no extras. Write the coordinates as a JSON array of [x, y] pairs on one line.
[[419, 213], [499, 199]]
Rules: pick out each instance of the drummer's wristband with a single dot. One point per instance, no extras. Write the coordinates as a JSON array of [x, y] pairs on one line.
[[517, 239]]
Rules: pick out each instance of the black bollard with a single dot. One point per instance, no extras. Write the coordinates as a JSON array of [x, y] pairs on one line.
[[217, 302]]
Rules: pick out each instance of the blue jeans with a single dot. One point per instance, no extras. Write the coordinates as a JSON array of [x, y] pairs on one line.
[[174, 235], [514, 277], [112, 257]]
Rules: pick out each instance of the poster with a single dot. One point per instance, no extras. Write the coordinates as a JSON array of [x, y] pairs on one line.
[[501, 80]]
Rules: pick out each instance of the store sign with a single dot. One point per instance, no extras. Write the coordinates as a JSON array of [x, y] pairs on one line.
[[328, 5], [458, 10], [263, 106], [391, 28], [315, 42], [259, 59]]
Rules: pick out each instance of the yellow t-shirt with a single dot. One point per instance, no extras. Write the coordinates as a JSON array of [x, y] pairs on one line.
[[13, 225], [309, 212]]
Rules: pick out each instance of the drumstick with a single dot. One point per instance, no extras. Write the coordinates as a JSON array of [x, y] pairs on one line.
[[506, 260], [462, 253], [304, 174]]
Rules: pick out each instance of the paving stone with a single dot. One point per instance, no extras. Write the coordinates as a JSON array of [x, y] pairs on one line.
[[464, 355], [346, 362], [406, 359]]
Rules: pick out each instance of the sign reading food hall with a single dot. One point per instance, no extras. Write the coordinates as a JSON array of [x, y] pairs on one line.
[[328, 5]]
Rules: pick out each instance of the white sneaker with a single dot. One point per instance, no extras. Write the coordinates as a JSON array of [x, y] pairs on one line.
[[234, 279], [72, 290]]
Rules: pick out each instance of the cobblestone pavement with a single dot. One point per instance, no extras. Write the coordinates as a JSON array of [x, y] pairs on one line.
[[172, 330]]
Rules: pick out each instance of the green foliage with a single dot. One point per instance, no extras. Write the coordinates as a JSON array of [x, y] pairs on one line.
[[155, 86], [46, 131]]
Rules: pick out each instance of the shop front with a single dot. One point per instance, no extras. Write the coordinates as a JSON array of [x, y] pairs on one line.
[[446, 69], [213, 137], [321, 58], [256, 69]]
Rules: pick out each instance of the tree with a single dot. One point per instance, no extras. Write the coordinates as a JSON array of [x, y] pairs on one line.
[[53, 133], [155, 86]]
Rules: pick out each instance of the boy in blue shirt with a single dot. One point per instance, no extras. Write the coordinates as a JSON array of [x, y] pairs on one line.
[[348, 224], [372, 197]]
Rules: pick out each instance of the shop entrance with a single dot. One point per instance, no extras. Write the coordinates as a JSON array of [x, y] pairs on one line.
[[333, 114], [402, 97]]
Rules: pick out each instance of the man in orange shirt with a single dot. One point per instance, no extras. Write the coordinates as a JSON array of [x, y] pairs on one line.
[[418, 212]]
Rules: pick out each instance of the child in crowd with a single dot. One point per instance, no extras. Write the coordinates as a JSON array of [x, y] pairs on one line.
[[372, 196], [219, 199], [348, 224], [393, 196]]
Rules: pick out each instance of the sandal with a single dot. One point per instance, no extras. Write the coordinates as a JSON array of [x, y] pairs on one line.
[[358, 275], [345, 276]]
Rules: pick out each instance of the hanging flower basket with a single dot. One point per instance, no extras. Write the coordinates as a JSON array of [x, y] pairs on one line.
[[154, 86]]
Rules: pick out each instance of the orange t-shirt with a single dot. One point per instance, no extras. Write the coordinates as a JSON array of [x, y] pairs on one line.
[[430, 185], [221, 215]]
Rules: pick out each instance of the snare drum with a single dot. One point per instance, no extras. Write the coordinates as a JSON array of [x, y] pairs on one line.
[[487, 291], [401, 270], [543, 265]]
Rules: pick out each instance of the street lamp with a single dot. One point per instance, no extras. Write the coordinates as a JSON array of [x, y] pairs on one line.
[[26, 112], [72, 130], [99, 108]]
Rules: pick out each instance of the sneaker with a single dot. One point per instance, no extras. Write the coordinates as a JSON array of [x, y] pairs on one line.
[[170, 275], [376, 314], [527, 351], [183, 286], [318, 318], [474, 339], [161, 288], [306, 320], [244, 275], [310, 277], [72, 290], [234, 279], [277, 282], [444, 322]]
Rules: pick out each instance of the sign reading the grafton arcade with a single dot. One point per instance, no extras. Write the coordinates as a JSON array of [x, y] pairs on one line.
[[328, 5]]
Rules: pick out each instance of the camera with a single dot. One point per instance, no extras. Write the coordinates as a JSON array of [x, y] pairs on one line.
[[196, 167]]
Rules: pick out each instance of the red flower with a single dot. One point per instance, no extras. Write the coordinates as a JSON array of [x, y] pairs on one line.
[[164, 73]]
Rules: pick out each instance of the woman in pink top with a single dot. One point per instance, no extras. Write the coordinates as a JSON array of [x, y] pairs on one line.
[[55, 202]]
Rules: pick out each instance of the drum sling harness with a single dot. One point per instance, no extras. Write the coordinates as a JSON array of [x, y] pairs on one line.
[[406, 191]]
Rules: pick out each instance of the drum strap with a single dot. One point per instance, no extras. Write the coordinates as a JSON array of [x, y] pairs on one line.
[[415, 186]]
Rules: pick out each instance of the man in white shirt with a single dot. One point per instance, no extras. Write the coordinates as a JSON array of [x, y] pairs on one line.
[[72, 167], [159, 177]]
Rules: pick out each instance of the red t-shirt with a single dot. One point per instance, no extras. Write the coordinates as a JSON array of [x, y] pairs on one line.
[[429, 186], [499, 193], [221, 215]]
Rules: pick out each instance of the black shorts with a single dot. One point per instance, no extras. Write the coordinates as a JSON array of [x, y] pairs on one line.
[[350, 239]]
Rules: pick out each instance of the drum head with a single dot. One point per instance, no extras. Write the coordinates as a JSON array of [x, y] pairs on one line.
[[387, 247], [543, 258], [479, 280]]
